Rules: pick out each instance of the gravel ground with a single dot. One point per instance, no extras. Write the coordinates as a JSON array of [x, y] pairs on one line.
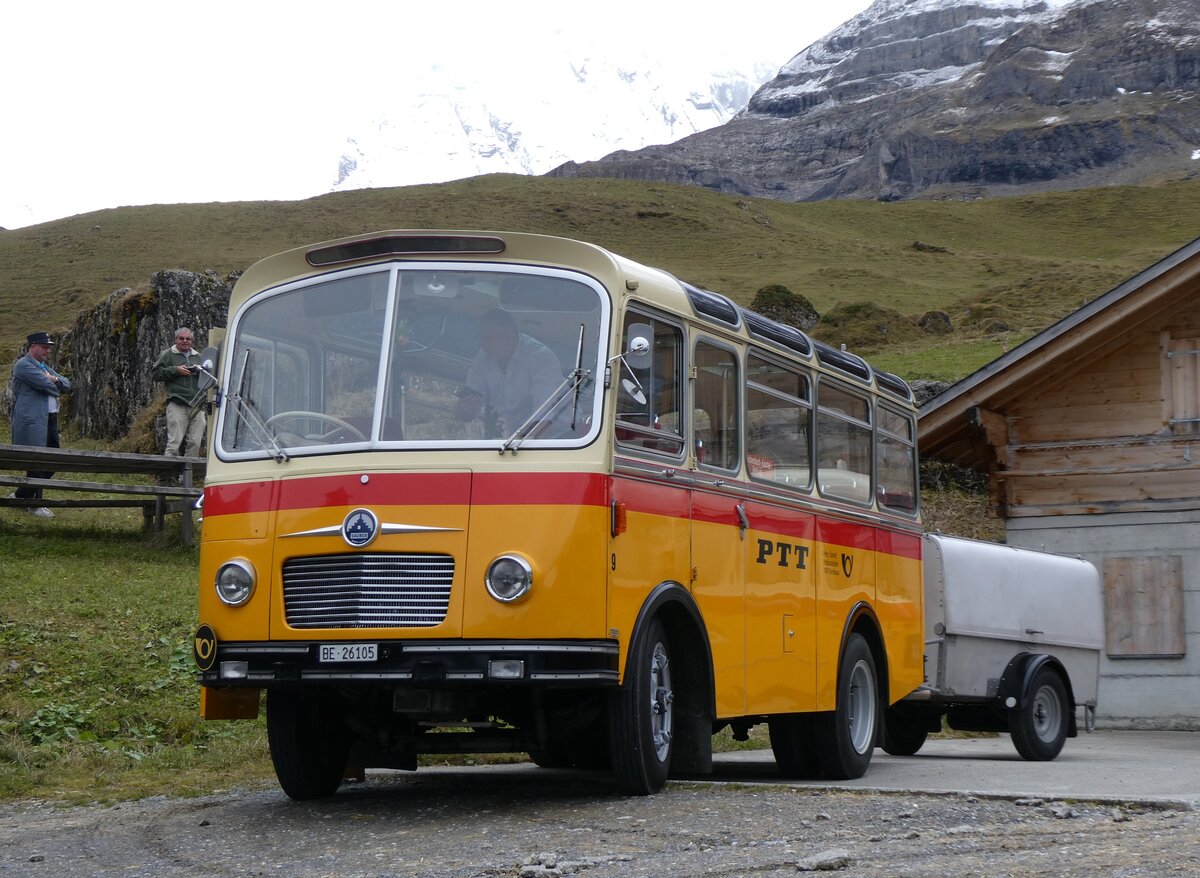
[[548, 824]]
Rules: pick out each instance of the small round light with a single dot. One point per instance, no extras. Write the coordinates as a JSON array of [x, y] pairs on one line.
[[509, 578], [235, 582]]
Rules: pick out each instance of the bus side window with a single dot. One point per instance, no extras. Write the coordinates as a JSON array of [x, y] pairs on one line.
[[843, 444], [896, 455], [716, 394], [778, 423], [648, 410]]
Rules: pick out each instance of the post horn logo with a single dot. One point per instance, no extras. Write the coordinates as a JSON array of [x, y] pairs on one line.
[[204, 647], [847, 564]]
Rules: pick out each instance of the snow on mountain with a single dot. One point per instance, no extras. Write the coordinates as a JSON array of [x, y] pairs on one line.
[[869, 46], [535, 115]]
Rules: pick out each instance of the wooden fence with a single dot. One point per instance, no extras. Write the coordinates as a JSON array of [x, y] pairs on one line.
[[157, 500]]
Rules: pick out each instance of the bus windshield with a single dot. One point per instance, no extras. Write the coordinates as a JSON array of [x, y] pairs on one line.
[[435, 356]]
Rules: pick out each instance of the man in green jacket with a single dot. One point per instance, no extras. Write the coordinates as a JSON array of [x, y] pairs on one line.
[[178, 367]]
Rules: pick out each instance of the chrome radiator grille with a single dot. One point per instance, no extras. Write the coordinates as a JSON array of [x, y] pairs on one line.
[[362, 590]]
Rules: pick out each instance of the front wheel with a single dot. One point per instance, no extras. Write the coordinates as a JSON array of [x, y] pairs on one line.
[[641, 716], [309, 743], [845, 736], [1039, 725]]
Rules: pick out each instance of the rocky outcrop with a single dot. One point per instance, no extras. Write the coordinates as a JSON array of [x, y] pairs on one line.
[[109, 351], [958, 98]]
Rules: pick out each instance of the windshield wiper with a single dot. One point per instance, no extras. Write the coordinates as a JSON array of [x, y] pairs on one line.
[[557, 397], [247, 411]]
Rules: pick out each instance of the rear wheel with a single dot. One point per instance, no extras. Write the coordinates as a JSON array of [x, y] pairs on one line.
[[792, 742], [845, 736], [552, 757], [641, 717], [309, 743], [1039, 725], [904, 731]]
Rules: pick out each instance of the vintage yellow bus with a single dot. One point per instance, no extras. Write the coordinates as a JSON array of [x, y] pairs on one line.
[[494, 492]]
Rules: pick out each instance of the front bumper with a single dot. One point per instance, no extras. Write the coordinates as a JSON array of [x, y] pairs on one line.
[[423, 662]]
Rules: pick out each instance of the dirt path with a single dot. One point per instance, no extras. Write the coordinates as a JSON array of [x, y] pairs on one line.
[[450, 825]]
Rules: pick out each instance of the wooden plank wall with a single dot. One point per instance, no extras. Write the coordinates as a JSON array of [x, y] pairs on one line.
[[1143, 607], [1100, 440]]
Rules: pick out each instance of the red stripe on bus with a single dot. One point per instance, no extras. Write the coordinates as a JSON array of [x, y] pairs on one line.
[[895, 543], [652, 499], [235, 499], [411, 489], [540, 489], [797, 523], [551, 489]]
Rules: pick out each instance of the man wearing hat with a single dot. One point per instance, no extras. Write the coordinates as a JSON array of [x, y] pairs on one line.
[[36, 389]]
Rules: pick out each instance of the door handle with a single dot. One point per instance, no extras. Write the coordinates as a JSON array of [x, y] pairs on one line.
[[743, 519]]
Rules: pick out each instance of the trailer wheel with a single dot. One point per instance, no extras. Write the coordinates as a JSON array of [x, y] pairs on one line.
[[845, 736], [640, 719], [309, 745], [1039, 725], [792, 742], [904, 731]]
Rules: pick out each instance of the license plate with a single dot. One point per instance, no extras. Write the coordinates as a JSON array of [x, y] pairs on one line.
[[348, 652]]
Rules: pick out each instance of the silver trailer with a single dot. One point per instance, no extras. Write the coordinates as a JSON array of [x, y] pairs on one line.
[[1013, 641]]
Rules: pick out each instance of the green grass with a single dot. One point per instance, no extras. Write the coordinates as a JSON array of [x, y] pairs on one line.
[[97, 698], [1030, 259]]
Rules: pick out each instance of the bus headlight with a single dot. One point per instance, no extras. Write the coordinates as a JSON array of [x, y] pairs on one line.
[[235, 582], [509, 578]]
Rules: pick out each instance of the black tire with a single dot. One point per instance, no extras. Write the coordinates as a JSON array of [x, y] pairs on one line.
[[792, 742], [309, 744], [551, 757], [640, 716], [1039, 725], [904, 731], [846, 736]]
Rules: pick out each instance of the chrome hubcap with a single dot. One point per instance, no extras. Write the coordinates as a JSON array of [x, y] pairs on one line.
[[862, 706], [1047, 714], [661, 700]]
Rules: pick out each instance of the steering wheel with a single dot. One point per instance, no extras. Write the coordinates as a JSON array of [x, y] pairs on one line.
[[339, 424]]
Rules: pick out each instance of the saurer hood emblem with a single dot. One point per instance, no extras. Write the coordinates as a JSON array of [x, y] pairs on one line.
[[360, 528]]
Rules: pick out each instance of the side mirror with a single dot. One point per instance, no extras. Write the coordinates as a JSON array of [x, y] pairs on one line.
[[633, 390], [638, 350]]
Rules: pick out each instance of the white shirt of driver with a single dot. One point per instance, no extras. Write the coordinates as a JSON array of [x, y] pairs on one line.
[[532, 374]]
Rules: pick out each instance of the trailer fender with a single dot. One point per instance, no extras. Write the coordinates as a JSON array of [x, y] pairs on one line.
[[1014, 687]]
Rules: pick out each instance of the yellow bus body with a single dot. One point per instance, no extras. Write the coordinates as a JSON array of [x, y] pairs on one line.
[[777, 579]]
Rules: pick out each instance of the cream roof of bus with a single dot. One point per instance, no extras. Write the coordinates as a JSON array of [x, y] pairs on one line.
[[621, 275], [518, 247]]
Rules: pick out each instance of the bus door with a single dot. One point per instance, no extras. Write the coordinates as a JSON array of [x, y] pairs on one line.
[[846, 566], [650, 541], [717, 514], [780, 548]]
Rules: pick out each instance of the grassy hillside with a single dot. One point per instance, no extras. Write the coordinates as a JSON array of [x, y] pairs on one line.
[[1026, 261]]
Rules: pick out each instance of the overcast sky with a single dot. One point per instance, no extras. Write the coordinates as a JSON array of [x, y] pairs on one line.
[[125, 102]]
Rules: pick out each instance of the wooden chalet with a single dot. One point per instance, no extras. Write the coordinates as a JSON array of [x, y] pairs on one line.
[[1090, 436]]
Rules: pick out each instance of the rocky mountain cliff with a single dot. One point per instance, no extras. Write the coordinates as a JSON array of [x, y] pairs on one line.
[[958, 98]]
